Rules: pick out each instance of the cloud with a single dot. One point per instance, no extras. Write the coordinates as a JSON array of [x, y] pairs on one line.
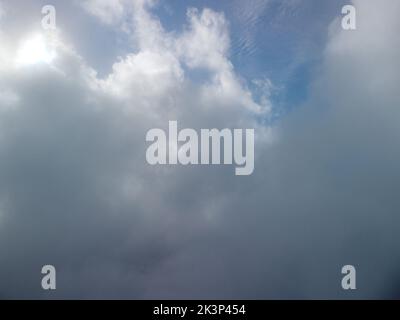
[[73, 169], [109, 12], [2, 11], [76, 191]]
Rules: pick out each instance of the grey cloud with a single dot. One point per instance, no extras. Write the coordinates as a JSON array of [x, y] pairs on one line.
[[75, 190]]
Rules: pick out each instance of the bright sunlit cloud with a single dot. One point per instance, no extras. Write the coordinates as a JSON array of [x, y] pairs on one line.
[[35, 50]]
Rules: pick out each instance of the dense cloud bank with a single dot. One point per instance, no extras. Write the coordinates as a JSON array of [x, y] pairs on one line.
[[76, 191]]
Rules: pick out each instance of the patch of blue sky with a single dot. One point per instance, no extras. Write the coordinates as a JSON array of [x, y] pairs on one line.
[[278, 40]]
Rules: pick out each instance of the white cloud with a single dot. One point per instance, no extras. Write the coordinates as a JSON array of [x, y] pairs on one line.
[[162, 59], [206, 43], [146, 74]]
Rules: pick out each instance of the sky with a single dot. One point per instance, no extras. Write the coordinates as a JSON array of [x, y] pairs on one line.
[[76, 191]]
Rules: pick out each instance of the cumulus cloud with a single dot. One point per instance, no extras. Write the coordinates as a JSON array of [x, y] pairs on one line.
[[76, 191]]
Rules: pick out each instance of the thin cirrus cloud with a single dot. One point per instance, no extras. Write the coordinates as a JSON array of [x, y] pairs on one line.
[[76, 191]]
